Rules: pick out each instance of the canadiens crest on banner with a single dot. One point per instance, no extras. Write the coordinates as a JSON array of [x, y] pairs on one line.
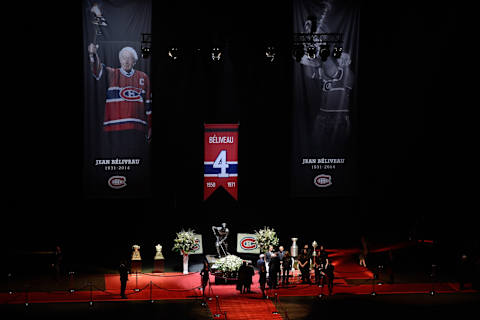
[[247, 243], [220, 159]]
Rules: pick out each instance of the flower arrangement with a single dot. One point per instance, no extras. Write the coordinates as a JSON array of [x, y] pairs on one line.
[[230, 263], [266, 237], [184, 242]]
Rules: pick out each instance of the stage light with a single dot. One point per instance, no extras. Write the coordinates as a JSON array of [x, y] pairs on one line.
[[216, 54], [298, 52], [337, 52], [324, 52], [146, 51], [311, 52], [270, 53], [174, 53], [146, 47]]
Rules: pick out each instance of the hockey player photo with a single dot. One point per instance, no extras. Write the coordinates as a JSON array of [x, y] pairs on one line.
[[118, 99]]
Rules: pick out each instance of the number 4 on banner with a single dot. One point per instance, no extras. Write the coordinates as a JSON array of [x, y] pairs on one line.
[[221, 163]]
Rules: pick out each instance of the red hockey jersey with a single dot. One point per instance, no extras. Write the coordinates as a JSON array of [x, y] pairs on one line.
[[128, 100]]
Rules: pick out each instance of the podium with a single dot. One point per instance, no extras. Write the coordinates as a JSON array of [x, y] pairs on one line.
[[158, 266], [136, 266]]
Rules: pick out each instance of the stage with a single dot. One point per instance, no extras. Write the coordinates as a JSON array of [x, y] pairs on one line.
[[350, 279]]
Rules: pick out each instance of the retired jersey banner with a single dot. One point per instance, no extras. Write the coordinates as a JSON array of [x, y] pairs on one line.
[[220, 159], [247, 243], [325, 64], [117, 102]]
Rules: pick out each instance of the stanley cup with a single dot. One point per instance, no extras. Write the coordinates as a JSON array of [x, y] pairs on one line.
[[294, 248]]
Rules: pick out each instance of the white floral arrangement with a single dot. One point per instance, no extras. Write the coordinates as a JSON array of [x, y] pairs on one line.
[[184, 242], [266, 237], [230, 263]]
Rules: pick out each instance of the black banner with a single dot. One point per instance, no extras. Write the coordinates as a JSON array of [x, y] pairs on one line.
[[118, 103], [324, 84]]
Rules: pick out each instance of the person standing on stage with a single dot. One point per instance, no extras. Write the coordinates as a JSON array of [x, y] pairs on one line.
[[286, 265], [323, 265], [280, 254], [317, 267], [242, 277], [329, 275], [58, 263], [249, 273], [123, 269], [268, 256], [274, 267], [309, 251], [205, 276], [364, 252], [304, 266], [262, 271]]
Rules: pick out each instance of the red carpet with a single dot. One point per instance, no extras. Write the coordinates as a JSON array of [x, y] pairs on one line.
[[247, 306]]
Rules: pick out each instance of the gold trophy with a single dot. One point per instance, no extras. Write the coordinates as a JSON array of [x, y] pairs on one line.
[[136, 252]]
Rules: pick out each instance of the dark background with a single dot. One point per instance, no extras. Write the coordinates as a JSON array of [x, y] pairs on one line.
[[413, 164]]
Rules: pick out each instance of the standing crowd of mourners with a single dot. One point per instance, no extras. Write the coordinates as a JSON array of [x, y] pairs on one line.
[[276, 268]]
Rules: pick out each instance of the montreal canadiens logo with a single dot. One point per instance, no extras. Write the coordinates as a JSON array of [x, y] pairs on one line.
[[248, 243], [196, 245], [323, 180], [117, 182], [131, 94]]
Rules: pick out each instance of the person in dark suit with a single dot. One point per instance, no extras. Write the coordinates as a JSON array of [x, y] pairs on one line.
[[262, 272], [274, 268], [304, 265], [123, 269], [329, 276], [317, 266], [280, 254], [323, 264], [286, 265], [249, 273], [242, 277], [205, 276], [58, 263]]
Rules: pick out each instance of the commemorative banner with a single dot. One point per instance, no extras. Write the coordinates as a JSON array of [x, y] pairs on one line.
[[220, 159], [198, 244], [117, 101], [325, 60], [247, 243]]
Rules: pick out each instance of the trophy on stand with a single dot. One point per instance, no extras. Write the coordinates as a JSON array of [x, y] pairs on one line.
[[314, 245], [158, 255], [294, 253], [136, 259], [294, 248], [159, 260]]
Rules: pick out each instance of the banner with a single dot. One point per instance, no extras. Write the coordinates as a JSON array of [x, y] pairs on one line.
[[247, 243], [220, 159], [117, 102], [325, 64], [199, 244]]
